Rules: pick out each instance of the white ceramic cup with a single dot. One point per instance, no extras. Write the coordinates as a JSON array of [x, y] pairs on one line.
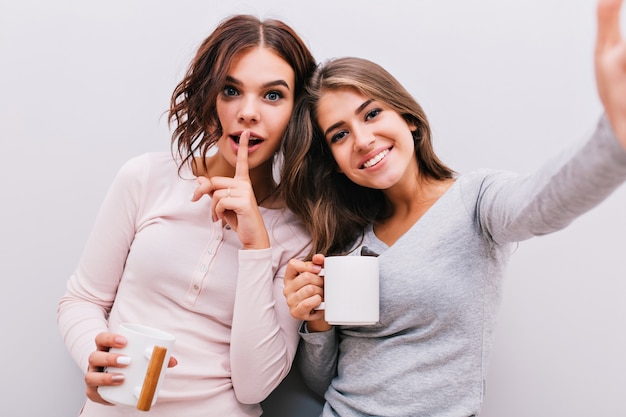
[[351, 290], [149, 350]]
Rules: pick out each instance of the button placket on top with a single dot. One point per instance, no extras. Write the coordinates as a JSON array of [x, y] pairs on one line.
[[208, 255]]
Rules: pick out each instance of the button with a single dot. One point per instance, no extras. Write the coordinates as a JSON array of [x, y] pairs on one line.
[[227, 227], [196, 287]]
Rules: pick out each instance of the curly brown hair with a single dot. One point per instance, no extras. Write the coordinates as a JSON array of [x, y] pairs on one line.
[[193, 102]]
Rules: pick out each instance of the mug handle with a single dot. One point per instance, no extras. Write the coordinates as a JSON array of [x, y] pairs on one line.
[[152, 378]]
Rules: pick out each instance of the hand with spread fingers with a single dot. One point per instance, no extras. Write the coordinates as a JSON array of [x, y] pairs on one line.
[[610, 65]]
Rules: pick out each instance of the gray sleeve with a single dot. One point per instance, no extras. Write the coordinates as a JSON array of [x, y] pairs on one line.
[[317, 358], [511, 208]]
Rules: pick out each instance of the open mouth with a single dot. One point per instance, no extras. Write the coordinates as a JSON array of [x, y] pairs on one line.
[[376, 159], [251, 142]]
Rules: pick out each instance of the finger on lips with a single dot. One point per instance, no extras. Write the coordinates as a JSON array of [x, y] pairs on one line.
[[241, 169], [217, 187]]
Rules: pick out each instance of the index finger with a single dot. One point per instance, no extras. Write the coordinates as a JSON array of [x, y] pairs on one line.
[[296, 267], [241, 169], [106, 340], [609, 32]]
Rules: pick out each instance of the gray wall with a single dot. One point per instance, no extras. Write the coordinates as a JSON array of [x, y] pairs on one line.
[[505, 83]]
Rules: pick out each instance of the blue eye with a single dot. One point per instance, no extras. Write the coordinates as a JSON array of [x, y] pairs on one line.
[[230, 91], [372, 113], [273, 96]]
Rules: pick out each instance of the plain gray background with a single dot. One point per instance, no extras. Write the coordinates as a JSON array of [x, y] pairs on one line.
[[506, 84]]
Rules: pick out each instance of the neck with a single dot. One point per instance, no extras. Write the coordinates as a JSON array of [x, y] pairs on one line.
[[264, 187], [406, 207], [411, 193]]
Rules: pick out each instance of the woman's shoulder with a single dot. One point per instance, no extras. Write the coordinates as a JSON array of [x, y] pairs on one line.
[[480, 177], [277, 215], [283, 225], [151, 159], [149, 162], [149, 170]]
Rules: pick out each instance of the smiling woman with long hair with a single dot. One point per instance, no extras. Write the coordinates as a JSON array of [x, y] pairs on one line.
[[367, 176]]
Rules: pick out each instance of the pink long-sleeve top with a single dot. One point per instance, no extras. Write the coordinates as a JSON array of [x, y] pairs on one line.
[[156, 258]]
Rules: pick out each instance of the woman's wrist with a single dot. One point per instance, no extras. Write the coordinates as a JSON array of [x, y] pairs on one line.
[[318, 326]]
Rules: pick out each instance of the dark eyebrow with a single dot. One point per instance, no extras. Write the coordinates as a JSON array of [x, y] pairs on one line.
[[356, 112], [266, 85]]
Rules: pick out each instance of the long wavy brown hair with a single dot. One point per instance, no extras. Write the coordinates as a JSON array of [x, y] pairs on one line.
[[193, 102], [335, 209]]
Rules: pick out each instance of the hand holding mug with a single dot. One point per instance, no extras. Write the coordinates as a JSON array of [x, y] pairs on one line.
[[139, 366], [348, 294], [304, 290], [102, 358]]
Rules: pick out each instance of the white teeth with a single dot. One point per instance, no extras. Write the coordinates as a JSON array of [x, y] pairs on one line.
[[376, 159], [250, 139]]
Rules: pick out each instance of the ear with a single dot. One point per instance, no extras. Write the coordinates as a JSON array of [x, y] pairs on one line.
[[414, 131]]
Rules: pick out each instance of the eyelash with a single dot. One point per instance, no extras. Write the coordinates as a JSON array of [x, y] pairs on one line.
[[278, 94], [368, 116], [230, 91], [337, 136], [372, 113]]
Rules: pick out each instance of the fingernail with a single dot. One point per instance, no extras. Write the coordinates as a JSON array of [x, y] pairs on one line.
[[123, 360], [316, 268], [117, 377], [120, 340]]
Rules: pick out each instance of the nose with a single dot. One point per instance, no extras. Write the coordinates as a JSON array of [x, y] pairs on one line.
[[248, 112], [363, 139]]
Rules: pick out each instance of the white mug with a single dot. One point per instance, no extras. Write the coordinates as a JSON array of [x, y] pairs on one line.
[[351, 290], [149, 350]]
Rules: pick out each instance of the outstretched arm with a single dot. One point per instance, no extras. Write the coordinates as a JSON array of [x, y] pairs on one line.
[[610, 66]]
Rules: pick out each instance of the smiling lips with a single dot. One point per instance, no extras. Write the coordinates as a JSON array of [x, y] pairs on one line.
[[376, 159]]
